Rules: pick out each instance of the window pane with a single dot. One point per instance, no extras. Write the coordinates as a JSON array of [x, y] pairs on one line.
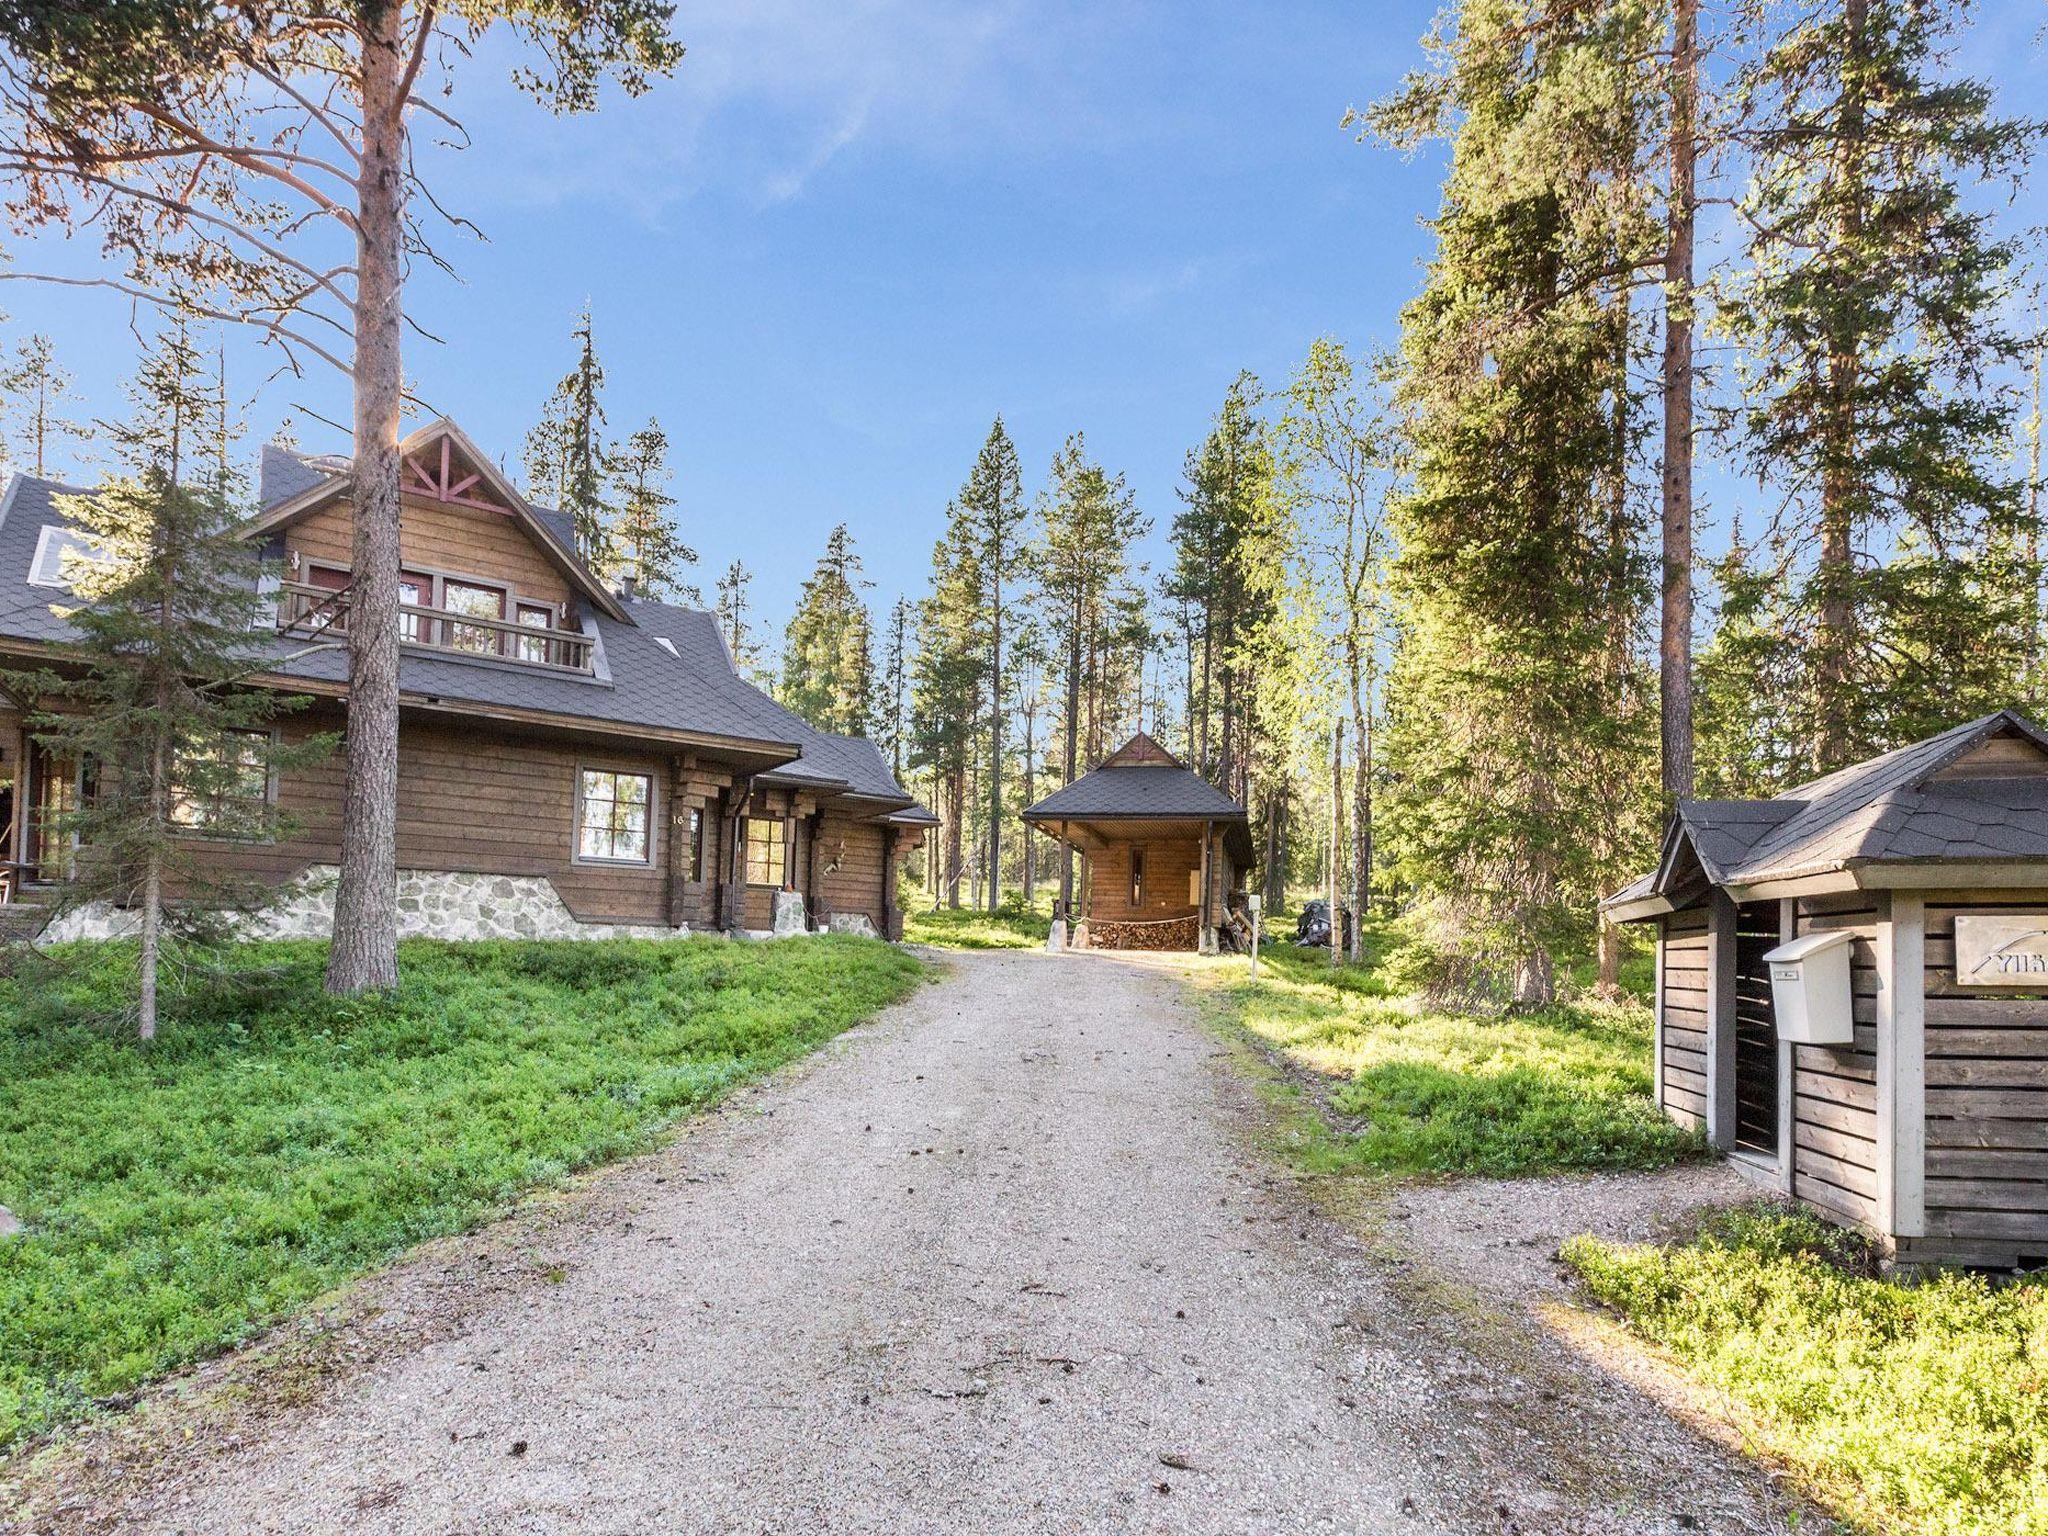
[[475, 602], [613, 816]]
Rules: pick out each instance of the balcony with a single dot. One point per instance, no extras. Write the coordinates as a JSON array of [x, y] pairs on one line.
[[313, 611]]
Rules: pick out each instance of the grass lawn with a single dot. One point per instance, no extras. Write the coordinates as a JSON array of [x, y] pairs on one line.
[[1417, 1090], [1013, 927], [275, 1142], [1914, 1408]]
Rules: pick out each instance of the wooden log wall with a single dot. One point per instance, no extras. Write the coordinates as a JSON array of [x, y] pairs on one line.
[[432, 537], [1682, 1015], [1987, 1105]]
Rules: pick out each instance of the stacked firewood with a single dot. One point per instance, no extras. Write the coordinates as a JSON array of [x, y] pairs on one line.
[[1172, 933]]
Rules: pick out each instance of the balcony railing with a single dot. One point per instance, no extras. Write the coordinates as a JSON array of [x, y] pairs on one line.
[[304, 609]]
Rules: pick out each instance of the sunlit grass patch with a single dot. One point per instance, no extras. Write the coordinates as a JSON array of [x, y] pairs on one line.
[[274, 1141], [1014, 926], [1917, 1408], [1422, 1090]]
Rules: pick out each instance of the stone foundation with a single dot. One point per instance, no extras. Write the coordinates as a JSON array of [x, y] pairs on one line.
[[432, 904]]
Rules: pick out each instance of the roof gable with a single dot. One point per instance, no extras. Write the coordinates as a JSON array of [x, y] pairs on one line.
[[1141, 751], [439, 464]]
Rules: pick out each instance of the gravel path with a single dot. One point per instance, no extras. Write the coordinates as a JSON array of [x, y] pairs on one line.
[[1004, 1260]]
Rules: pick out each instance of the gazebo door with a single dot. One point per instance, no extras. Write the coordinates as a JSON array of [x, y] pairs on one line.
[[1756, 1030]]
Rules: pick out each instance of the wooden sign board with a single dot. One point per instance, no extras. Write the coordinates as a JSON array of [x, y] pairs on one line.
[[2010, 950]]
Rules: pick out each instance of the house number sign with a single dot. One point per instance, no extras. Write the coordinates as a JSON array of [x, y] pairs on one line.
[[2005, 951]]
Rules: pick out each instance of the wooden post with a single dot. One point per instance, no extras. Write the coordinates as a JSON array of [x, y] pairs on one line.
[[1205, 936], [890, 928], [1902, 1065], [1657, 1019], [1721, 923], [1788, 1153], [814, 831]]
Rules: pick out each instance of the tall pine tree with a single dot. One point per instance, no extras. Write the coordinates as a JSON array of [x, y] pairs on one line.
[[649, 548], [990, 516], [828, 665]]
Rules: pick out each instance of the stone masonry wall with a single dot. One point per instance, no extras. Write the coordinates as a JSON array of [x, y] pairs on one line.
[[432, 904]]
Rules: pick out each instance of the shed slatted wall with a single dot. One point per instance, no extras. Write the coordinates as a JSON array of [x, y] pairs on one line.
[[1987, 1102], [1683, 1010], [1834, 1104]]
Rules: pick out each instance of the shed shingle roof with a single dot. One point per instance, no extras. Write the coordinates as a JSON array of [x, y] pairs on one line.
[[1890, 809]]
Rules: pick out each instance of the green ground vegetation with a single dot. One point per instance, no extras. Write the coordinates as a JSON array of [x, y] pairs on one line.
[[275, 1141], [1407, 1088], [1013, 925], [1918, 1408]]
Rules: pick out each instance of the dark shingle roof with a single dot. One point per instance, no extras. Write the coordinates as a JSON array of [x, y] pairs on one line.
[[1137, 792], [1892, 808], [666, 670], [283, 473]]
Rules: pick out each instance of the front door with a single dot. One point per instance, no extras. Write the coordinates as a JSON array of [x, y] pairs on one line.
[[1756, 1030], [53, 794]]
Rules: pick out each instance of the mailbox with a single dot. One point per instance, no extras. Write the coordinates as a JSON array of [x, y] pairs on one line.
[[1810, 988]]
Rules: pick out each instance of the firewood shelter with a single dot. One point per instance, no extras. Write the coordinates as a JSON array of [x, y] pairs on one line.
[[1163, 853]]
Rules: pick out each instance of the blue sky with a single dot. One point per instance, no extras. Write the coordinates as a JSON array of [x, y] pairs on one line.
[[849, 232]]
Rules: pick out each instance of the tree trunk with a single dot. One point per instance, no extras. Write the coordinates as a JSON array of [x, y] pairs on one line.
[[956, 809], [364, 954], [1674, 640], [1336, 861], [1836, 571], [1072, 750], [1030, 796], [1609, 950], [1276, 843], [995, 727]]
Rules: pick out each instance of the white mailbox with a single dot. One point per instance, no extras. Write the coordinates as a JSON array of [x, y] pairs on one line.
[[1810, 986]]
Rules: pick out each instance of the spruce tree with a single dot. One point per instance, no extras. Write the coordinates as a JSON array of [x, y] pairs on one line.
[[165, 624], [733, 608], [568, 462], [1877, 363], [828, 673], [649, 548], [1503, 739]]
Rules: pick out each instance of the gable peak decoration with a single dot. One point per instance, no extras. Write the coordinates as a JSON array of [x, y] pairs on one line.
[[1141, 751], [440, 471]]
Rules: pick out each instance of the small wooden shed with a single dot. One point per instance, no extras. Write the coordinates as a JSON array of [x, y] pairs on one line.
[[1927, 1125], [1163, 852]]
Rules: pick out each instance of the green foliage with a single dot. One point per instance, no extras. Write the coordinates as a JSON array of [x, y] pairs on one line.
[[568, 462], [1011, 926], [167, 621], [1424, 1090], [1870, 321], [34, 389], [277, 1141], [828, 663], [1518, 746], [650, 550], [1916, 1408]]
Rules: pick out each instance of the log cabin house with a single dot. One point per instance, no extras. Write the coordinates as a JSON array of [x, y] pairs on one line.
[[1163, 852], [1852, 990], [573, 759]]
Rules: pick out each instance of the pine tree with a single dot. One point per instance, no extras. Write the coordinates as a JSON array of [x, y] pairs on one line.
[[733, 621], [38, 389], [165, 625], [568, 462], [990, 515], [1876, 396], [828, 673], [1503, 735], [649, 548], [1090, 597]]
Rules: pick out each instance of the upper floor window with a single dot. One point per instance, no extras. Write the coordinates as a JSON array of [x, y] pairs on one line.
[[56, 548], [473, 600], [612, 815], [764, 851]]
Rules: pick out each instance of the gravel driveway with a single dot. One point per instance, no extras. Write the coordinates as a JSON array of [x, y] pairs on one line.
[[1004, 1260]]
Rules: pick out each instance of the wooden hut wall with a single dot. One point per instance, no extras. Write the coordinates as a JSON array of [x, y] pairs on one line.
[[1682, 1017], [1834, 1088], [1170, 864], [1986, 1104]]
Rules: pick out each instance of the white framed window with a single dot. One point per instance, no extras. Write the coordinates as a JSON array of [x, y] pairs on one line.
[[55, 546], [227, 790], [613, 813]]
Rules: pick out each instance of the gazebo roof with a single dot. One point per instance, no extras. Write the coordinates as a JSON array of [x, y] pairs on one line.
[[1140, 781]]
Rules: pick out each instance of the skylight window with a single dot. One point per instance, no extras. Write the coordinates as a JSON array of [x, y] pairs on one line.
[[55, 546], [668, 645]]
